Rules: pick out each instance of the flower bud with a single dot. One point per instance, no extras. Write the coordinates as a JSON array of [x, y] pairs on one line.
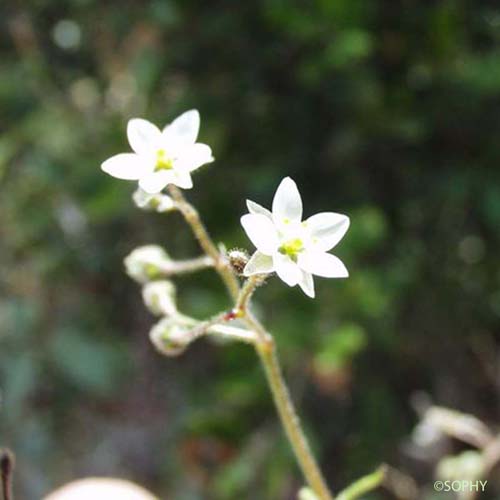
[[147, 263], [238, 259], [159, 297], [307, 494], [169, 337], [158, 202], [468, 465]]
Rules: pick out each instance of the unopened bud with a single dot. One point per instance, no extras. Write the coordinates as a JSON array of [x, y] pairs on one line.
[[158, 202], [170, 338], [306, 494], [147, 263], [159, 297], [468, 465], [238, 259]]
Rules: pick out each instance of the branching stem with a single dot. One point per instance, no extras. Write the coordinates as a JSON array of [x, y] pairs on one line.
[[193, 219], [248, 289], [264, 345]]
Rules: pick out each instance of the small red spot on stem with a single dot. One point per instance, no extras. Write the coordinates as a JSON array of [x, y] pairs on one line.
[[230, 316], [233, 314]]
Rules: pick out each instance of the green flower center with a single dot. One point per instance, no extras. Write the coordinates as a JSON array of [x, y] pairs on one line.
[[163, 162], [154, 203], [151, 271], [292, 248]]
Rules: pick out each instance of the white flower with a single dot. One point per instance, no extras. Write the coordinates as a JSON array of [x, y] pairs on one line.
[[159, 297], [295, 250], [147, 263], [161, 157], [158, 202]]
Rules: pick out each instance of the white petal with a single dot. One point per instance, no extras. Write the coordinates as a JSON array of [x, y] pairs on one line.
[[141, 198], [182, 179], [156, 181], [143, 136], [193, 157], [307, 284], [258, 264], [184, 129], [322, 264], [287, 270], [261, 232], [158, 201], [166, 204], [127, 166], [327, 229], [255, 208], [287, 204]]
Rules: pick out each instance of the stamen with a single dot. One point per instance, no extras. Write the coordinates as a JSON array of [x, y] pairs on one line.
[[292, 248], [163, 162]]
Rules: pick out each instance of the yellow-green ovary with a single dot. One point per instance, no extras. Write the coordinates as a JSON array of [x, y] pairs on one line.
[[163, 162]]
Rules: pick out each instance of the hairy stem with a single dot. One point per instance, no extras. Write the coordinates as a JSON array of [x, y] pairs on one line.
[[248, 290], [266, 349], [193, 219]]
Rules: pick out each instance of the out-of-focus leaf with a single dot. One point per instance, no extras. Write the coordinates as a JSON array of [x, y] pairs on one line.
[[89, 364]]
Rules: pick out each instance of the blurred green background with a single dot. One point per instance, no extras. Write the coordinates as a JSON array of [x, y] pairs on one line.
[[386, 111]]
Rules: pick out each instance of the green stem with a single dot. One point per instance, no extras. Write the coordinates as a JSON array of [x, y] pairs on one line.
[[233, 333], [264, 345], [248, 289], [266, 349], [193, 219], [363, 485]]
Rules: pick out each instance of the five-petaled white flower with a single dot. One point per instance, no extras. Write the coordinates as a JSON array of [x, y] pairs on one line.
[[161, 157], [295, 250]]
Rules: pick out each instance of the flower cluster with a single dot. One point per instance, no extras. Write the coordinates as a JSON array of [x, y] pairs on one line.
[[149, 265], [293, 248]]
